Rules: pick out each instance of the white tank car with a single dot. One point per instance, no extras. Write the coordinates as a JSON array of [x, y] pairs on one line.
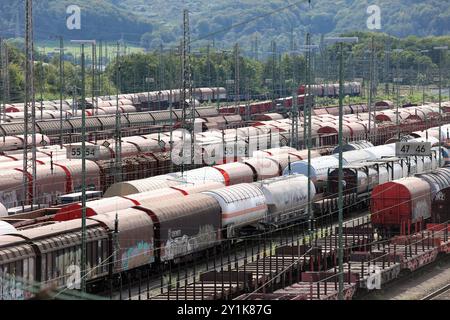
[[387, 150], [424, 164], [286, 197], [444, 157], [6, 228], [389, 173], [3, 211], [399, 171], [319, 167], [263, 168], [242, 205], [202, 175], [356, 156], [142, 185], [366, 182], [413, 166]]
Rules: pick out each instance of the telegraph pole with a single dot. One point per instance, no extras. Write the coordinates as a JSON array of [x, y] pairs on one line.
[[29, 122]]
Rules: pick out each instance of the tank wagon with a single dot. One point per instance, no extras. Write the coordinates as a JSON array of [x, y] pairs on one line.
[[150, 233], [331, 90]]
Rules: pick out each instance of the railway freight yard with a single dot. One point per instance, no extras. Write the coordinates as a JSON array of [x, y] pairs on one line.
[[208, 162]]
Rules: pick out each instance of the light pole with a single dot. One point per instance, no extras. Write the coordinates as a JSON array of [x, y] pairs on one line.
[[93, 67], [423, 79], [369, 90], [60, 50], [229, 83], [294, 115], [83, 161], [159, 100], [42, 84], [149, 81], [441, 50], [274, 62], [307, 120], [397, 82], [341, 41], [118, 142], [372, 81]]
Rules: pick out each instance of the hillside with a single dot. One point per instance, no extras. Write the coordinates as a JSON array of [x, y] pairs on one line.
[[100, 19], [161, 20], [399, 18]]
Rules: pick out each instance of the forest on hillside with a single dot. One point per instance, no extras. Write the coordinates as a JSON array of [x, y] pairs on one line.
[[149, 23], [417, 63]]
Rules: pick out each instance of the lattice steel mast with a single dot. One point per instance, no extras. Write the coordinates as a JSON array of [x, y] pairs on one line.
[[5, 76], [236, 75], [118, 133], [294, 110], [29, 161], [187, 103], [308, 131], [274, 62]]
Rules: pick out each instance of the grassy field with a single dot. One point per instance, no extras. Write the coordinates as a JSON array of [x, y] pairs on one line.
[[74, 49], [407, 95]]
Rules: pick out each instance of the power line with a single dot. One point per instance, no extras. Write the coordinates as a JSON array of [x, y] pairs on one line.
[[264, 15]]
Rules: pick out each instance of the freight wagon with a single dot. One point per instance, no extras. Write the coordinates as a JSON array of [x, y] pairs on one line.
[[150, 233], [406, 204]]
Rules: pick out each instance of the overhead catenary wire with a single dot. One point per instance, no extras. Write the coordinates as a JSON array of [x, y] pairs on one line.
[[222, 240]]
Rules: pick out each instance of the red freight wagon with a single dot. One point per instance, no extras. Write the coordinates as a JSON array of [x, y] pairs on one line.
[[402, 201]]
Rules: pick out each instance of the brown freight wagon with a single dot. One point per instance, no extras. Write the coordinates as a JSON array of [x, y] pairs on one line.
[[135, 238], [440, 206], [184, 226]]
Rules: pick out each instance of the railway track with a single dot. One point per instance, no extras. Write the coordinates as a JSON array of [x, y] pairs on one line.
[[409, 285], [150, 285], [442, 293]]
